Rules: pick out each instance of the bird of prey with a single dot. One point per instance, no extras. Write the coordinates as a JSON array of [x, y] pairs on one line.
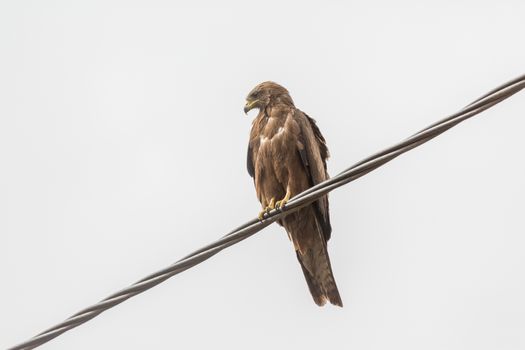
[[286, 155]]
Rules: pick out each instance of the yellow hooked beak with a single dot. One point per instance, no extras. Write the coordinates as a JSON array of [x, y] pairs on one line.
[[250, 105]]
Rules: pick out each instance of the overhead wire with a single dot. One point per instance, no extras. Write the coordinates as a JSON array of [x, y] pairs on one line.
[[251, 227]]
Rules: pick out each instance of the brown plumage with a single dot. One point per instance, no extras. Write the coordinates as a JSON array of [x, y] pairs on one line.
[[286, 155]]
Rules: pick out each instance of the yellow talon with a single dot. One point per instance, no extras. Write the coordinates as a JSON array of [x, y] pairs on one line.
[[268, 208], [271, 205], [280, 204]]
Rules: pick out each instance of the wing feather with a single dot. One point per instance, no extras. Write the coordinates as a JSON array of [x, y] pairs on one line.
[[314, 155], [249, 161]]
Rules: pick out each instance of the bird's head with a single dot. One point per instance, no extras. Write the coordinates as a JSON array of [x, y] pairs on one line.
[[265, 94]]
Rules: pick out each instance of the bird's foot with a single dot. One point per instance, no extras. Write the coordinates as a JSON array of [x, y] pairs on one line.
[[280, 204], [267, 210]]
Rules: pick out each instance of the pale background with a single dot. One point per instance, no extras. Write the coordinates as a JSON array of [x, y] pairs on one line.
[[123, 144]]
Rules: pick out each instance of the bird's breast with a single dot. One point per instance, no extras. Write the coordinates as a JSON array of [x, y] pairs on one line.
[[273, 129]]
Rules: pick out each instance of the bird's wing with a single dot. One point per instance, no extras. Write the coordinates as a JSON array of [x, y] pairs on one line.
[[249, 160], [314, 154], [252, 160]]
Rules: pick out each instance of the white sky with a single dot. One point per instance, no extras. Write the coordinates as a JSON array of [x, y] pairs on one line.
[[123, 145]]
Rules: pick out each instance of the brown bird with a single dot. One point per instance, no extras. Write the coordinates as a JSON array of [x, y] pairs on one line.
[[286, 155]]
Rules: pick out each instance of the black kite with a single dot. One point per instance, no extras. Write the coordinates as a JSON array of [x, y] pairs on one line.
[[286, 155]]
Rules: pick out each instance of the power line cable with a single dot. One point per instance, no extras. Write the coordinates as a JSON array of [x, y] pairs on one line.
[[251, 227]]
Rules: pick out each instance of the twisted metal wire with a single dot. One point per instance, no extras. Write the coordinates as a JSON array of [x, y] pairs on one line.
[[251, 227]]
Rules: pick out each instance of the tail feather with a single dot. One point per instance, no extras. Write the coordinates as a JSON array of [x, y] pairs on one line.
[[318, 273], [315, 289], [310, 246]]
